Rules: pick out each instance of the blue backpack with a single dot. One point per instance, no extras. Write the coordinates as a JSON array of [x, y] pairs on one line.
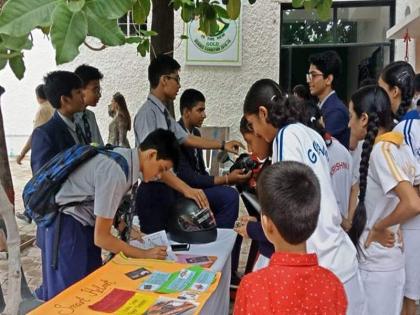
[[39, 193]]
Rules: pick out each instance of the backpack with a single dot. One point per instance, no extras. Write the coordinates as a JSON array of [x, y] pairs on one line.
[[39, 193]]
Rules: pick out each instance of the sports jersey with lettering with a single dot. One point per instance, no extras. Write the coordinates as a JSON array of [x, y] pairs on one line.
[[296, 142], [340, 162]]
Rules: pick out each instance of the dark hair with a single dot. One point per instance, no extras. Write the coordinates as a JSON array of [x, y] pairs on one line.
[[417, 83], [122, 108], [374, 101], [313, 116], [302, 91], [368, 81], [281, 110], [244, 127], [401, 75], [161, 65], [189, 99], [328, 62], [40, 92], [165, 143], [88, 73], [289, 194], [58, 84]]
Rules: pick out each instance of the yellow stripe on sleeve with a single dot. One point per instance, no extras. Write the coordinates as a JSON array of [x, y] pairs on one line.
[[389, 160]]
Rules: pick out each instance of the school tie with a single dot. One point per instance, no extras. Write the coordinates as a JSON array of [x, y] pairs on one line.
[[168, 120], [86, 127], [80, 135]]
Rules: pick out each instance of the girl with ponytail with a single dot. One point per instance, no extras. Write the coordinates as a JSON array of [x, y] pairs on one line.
[[386, 199], [397, 79], [281, 121]]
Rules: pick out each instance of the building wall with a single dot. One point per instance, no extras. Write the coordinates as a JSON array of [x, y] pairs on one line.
[[125, 71]]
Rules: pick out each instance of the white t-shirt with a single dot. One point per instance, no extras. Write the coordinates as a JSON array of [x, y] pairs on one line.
[[341, 170], [389, 165], [334, 248], [410, 128]]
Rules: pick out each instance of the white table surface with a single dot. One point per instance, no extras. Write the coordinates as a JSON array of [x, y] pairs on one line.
[[218, 303]]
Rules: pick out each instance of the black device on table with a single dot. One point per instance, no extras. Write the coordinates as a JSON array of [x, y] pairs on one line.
[[180, 247]]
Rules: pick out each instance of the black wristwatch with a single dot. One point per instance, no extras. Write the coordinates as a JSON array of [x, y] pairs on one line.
[[223, 145]]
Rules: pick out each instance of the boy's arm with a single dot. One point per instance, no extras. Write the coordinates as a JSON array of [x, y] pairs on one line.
[[203, 143], [241, 301], [176, 183], [105, 240]]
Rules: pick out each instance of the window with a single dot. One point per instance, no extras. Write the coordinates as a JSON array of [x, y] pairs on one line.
[[129, 27]]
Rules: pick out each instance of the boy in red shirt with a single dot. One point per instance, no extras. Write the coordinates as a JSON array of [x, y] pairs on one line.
[[293, 283]]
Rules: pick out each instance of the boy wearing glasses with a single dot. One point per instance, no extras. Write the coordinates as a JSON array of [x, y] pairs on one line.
[[322, 76], [156, 198], [91, 88]]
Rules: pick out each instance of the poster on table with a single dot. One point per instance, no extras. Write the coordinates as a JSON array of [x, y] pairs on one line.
[[222, 49]]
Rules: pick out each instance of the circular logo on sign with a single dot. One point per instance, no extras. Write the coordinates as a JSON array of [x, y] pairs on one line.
[[221, 41]]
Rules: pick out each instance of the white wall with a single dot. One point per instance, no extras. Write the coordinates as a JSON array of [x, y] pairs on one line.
[[401, 6], [19, 103]]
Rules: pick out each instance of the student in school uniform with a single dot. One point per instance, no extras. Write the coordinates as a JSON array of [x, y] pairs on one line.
[[156, 200], [410, 128], [91, 88], [277, 120], [293, 282], [397, 80], [386, 199], [249, 226], [339, 159], [98, 186]]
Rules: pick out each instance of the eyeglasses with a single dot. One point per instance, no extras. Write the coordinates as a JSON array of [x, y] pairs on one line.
[[311, 75], [176, 78]]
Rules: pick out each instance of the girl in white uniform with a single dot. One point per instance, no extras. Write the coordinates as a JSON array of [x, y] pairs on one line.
[[397, 79], [411, 229], [386, 199], [339, 160], [277, 120]]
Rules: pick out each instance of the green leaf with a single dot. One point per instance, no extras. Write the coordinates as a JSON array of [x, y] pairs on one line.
[[133, 40], [110, 9], [3, 61], [76, 5], [187, 13], [143, 47], [221, 12], [17, 66], [107, 31], [234, 9], [16, 43], [324, 10], [19, 17], [183, 37], [68, 32], [141, 10], [297, 3], [148, 33]]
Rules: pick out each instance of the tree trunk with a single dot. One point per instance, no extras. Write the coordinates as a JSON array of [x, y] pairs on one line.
[[163, 24], [13, 248], [7, 214]]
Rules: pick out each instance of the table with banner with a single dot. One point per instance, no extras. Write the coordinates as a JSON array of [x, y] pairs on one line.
[[125, 285]]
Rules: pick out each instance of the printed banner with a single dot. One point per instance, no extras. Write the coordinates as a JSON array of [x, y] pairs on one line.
[[113, 288]]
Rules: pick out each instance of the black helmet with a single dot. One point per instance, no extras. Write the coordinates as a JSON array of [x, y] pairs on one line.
[[190, 224]]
